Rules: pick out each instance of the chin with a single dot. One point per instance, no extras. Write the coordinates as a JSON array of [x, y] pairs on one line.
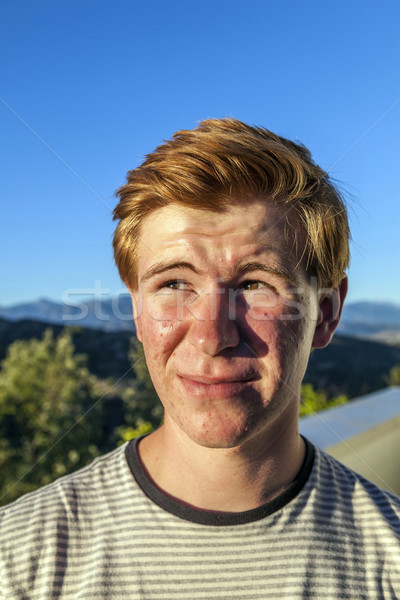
[[220, 432]]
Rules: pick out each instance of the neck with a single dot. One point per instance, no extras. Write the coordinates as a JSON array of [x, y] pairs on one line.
[[223, 479]]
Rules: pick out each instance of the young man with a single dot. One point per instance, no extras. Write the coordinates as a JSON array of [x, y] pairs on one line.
[[234, 246]]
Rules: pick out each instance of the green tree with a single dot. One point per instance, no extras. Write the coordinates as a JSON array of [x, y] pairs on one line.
[[50, 416], [315, 400], [394, 376]]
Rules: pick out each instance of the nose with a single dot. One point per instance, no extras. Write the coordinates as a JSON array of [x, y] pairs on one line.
[[213, 327]]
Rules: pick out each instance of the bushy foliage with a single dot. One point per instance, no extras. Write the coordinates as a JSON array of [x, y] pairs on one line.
[[394, 376], [55, 416], [50, 414], [315, 400]]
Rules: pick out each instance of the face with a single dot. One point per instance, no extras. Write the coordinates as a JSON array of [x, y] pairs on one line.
[[227, 315]]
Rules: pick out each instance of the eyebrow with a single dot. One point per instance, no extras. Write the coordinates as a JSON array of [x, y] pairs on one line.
[[240, 269], [282, 273], [161, 267]]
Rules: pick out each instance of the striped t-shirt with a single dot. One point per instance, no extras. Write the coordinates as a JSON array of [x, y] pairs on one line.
[[107, 532]]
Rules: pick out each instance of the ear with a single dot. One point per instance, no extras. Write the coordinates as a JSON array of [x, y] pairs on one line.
[[136, 310], [330, 309]]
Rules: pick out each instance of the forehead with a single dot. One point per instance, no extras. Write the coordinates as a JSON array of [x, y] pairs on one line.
[[253, 227]]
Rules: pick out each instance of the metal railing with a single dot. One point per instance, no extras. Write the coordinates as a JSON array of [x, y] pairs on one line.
[[363, 434]]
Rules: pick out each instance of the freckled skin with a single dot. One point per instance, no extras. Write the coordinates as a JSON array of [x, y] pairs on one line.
[[187, 332]]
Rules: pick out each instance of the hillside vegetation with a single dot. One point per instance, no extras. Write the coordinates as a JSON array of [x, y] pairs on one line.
[[348, 366], [70, 394]]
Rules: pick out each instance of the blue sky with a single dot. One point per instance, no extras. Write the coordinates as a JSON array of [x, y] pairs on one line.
[[87, 88]]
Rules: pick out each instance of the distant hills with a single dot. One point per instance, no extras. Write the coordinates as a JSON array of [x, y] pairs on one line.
[[349, 365], [379, 321], [113, 314], [373, 320], [356, 362], [352, 366]]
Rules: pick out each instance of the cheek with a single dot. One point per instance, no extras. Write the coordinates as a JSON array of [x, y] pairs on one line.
[[294, 349], [266, 305], [275, 336], [167, 306], [159, 338], [287, 318]]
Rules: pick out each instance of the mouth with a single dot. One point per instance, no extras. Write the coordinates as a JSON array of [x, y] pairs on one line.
[[218, 380], [220, 387]]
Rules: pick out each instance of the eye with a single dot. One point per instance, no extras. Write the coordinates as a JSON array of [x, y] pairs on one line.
[[253, 284], [175, 284]]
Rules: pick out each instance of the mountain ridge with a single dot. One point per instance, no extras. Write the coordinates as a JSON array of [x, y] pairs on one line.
[[348, 365], [113, 314], [379, 321]]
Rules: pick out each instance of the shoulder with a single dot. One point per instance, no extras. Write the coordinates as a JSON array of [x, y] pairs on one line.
[[66, 500], [345, 494], [49, 534]]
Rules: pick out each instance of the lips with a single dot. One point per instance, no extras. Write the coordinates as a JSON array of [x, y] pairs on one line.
[[218, 380], [219, 387]]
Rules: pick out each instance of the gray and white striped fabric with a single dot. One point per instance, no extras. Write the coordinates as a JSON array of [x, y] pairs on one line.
[[103, 533]]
